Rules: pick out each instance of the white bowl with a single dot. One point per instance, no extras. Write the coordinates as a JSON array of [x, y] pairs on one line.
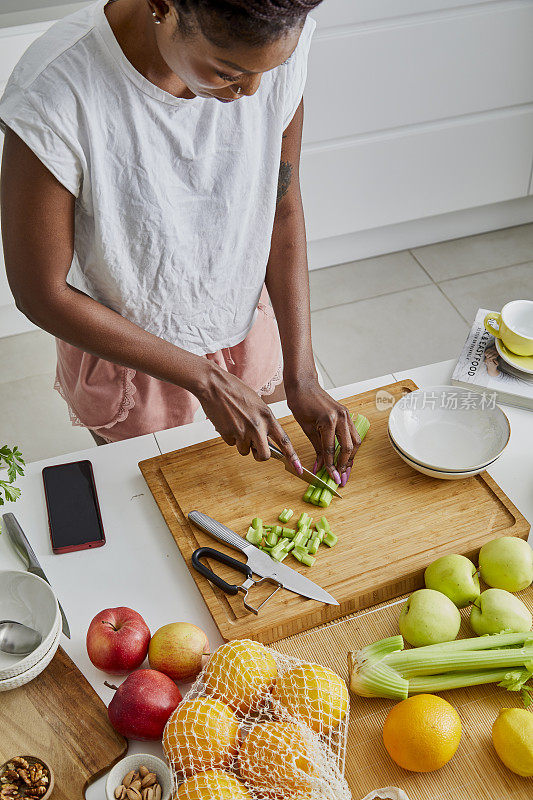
[[125, 765], [28, 599], [28, 675], [434, 473], [448, 428]]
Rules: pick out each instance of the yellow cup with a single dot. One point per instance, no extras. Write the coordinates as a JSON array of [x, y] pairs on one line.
[[514, 326]]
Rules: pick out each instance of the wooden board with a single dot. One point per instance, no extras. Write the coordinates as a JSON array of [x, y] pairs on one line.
[[391, 522], [59, 717], [475, 772]]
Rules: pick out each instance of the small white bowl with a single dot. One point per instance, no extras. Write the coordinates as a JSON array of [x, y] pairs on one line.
[[28, 675], [448, 428], [434, 473], [136, 760], [28, 599]]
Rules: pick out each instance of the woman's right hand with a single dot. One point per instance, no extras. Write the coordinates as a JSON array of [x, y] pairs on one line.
[[241, 417]]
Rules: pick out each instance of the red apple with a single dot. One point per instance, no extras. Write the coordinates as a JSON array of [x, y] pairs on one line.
[[142, 704], [178, 650], [117, 640]]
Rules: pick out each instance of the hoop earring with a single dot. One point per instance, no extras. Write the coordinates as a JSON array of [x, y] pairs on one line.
[[156, 18]]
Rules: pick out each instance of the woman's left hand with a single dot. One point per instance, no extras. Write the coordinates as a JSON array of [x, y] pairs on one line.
[[322, 418]]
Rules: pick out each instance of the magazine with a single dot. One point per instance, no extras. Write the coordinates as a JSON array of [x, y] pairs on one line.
[[482, 367]]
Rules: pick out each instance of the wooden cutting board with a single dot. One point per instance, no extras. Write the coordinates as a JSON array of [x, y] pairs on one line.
[[391, 522], [475, 772], [59, 717]]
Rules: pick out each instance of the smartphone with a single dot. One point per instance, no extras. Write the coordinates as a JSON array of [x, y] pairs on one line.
[[74, 515]]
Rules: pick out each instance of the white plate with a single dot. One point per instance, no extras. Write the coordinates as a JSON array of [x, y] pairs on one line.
[[521, 363], [449, 428], [33, 672], [28, 599], [434, 473]]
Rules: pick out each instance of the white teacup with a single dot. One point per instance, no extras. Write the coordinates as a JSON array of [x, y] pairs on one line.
[[514, 326]]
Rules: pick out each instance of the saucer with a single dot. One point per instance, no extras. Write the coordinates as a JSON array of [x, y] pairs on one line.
[[522, 363]]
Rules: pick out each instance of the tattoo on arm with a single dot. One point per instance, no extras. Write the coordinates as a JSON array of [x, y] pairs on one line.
[[284, 179]]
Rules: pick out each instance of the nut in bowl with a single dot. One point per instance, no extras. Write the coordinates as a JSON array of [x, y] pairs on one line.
[[139, 777], [26, 778], [448, 432]]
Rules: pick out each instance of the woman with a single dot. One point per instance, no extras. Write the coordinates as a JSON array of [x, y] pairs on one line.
[[149, 195]]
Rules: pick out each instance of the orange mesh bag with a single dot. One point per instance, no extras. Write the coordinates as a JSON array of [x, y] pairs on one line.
[[259, 725]]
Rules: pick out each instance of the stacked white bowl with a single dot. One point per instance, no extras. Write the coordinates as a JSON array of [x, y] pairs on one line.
[[28, 599], [448, 432]]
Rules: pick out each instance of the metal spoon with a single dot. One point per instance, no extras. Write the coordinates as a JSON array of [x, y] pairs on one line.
[[17, 638]]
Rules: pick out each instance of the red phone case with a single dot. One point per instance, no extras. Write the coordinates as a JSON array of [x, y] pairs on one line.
[[86, 545]]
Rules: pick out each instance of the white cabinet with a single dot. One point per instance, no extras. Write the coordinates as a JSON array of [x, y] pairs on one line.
[[415, 108]]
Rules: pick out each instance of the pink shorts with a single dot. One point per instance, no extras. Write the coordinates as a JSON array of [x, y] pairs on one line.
[[119, 403]]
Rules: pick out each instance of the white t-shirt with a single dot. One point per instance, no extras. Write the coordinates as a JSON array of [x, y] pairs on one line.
[[175, 198]]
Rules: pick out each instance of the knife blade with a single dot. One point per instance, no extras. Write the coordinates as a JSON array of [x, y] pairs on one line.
[[25, 551], [307, 476], [260, 562]]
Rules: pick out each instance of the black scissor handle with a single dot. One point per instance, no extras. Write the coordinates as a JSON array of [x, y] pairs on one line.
[[222, 558]]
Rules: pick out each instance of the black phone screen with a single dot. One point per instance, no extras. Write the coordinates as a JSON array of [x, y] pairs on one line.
[[73, 510]]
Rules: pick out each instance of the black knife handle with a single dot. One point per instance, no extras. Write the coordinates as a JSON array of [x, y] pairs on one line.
[[222, 558]]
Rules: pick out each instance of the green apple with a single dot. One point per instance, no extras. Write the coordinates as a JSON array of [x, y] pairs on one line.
[[429, 617], [496, 611], [506, 563], [456, 577]]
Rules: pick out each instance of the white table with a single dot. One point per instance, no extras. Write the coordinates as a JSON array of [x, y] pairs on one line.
[[140, 565]]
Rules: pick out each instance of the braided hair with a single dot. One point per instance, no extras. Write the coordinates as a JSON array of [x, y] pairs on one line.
[[255, 22]]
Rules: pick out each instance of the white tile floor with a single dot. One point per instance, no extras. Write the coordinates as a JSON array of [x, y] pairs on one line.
[[370, 317]]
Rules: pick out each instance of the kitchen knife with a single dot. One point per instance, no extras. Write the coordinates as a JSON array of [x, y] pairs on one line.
[[260, 562], [25, 551], [307, 476]]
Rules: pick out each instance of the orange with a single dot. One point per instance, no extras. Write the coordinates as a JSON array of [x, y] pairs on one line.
[[213, 784], [314, 694], [280, 759], [201, 734], [242, 673], [422, 733]]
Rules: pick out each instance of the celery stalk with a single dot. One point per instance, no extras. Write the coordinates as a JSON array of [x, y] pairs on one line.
[[384, 669]]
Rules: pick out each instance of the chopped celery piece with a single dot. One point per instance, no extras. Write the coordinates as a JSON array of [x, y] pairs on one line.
[[254, 536], [303, 520], [314, 544], [289, 533], [325, 498], [324, 524], [272, 539], [308, 493], [315, 496], [285, 515], [303, 557], [330, 539], [257, 523], [300, 540], [298, 552], [320, 533], [288, 545], [279, 555], [277, 530]]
